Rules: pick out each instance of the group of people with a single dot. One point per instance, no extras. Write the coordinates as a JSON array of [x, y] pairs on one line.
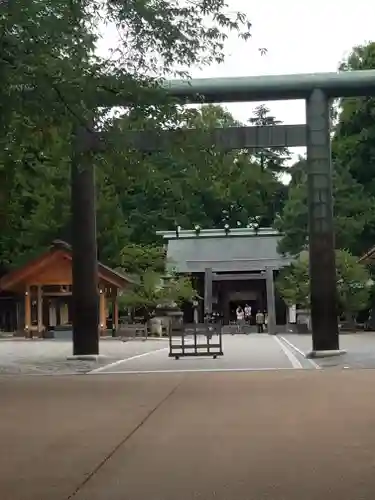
[[243, 316]]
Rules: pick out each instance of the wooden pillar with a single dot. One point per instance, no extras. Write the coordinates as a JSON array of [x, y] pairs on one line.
[[208, 291], [225, 302], [115, 311], [270, 290], [102, 312], [40, 309], [27, 312], [85, 300]]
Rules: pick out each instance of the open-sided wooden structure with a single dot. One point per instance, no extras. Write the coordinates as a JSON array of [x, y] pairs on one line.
[[45, 284]]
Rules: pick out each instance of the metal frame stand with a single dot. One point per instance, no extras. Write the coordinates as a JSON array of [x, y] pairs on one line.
[[196, 348]]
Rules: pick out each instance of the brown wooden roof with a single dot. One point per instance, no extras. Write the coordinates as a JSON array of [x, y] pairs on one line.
[[58, 257]]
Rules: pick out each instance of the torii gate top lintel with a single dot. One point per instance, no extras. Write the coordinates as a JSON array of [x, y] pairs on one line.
[[273, 87]]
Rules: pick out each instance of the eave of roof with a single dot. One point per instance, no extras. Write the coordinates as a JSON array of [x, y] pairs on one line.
[[62, 246], [217, 233]]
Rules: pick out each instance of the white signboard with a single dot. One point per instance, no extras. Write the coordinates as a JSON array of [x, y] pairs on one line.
[[292, 314]]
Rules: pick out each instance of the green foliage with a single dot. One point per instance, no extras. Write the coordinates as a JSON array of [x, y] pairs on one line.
[[352, 282], [45, 47], [353, 278], [50, 77], [139, 259], [293, 282], [353, 152], [353, 142], [158, 35], [154, 290], [192, 182], [274, 158], [352, 211]]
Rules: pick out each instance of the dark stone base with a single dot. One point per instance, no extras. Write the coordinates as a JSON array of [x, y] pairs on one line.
[[49, 334], [325, 354], [86, 357]]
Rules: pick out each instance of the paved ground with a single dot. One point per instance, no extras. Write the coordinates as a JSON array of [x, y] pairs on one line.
[[50, 356], [275, 435], [241, 353], [360, 350]]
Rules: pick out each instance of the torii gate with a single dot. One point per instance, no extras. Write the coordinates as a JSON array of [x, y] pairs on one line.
[[317, 90]]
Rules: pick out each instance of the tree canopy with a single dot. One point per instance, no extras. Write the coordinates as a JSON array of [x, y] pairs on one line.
[[155, 290], [352, 211], [194, 183], [50, 75], [353, 287], [353, 156]]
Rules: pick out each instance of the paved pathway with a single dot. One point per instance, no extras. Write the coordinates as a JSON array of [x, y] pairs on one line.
[[49, 357], [360, 349], [273, 435], [241, 353]]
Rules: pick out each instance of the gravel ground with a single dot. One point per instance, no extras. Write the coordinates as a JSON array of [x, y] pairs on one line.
[[49, 357]]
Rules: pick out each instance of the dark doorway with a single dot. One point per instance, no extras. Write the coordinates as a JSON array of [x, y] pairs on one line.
[[8, 314], [188, 312]]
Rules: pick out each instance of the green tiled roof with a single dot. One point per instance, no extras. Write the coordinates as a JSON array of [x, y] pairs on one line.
[[244, 252]]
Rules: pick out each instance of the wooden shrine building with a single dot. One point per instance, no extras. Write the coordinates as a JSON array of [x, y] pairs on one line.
[[230, 267], [42, 292]]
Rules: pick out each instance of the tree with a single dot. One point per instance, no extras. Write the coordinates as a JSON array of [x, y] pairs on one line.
[[297, 171], [192, 182], [293, 221], [353, 281], [50, 76], [274, 161], [161, 37], [157, 290], [354, 134], [45, 46], [353, 142], [139, 259], [153, 287], [273, 158], [353, 278], [293, 283], [352, 211], [353, 156]]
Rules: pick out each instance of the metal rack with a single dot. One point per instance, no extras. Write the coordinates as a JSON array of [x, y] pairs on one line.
[[197, 341]]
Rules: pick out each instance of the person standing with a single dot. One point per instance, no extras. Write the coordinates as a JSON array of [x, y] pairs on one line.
[[195, 312], [247, 312], [265, 320], [240, 315], [259, 319]]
